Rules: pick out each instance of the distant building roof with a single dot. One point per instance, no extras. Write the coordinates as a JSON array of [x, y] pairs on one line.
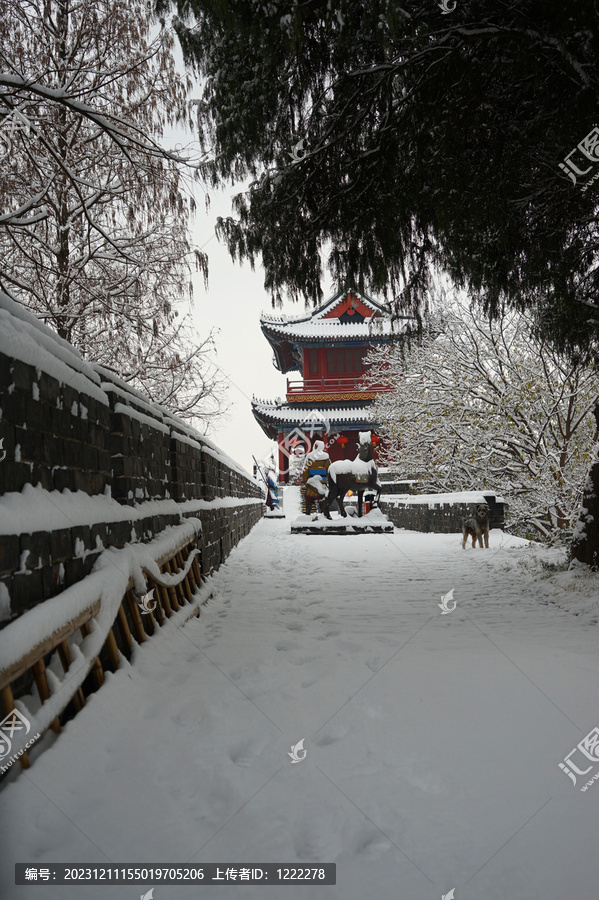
[[277, 415], [347, 317]]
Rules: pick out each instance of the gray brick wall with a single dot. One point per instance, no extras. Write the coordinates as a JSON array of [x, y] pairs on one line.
[[59, 437], [443, 518], [53, 435]]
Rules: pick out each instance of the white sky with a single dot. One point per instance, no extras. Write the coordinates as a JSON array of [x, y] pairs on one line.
[[233, 302]]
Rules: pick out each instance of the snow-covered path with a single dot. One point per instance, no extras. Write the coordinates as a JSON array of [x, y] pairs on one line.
[[433, 741]]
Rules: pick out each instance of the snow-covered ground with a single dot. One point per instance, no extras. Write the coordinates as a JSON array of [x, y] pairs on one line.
[[433, 741]]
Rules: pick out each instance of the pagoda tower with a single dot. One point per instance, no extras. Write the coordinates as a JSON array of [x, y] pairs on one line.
[[328, 402]]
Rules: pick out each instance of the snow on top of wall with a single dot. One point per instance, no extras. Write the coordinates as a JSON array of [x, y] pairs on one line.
[[182, 430], [112, 381], [24, 337], [36, 509], [116, 386], [198, 440], [222, 457], [19, 312], [141, 417], [125, 390], [219, 503], [453, 497], [184, 439], [165, 421], [190, 435], [212, 450], [187, 434], [182, 426]]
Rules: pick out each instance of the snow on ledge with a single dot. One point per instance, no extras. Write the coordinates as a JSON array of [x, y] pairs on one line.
[[450, 499], [24, 337], [141, 417], [36, 509], [316, 520]]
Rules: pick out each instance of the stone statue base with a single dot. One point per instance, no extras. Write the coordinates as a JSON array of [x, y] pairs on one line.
[[374, 522]]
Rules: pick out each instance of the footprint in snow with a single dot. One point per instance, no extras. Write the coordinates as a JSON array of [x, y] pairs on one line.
[[243, 672], [333, 734], [244, 754], [315, 837], [191, 718], [303, 660], [373, 845], [374, 664]]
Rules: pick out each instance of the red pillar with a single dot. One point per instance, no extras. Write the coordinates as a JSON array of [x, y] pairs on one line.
[[283, 461]]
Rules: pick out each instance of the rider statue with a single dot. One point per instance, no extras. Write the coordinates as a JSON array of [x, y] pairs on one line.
[[314, 475]]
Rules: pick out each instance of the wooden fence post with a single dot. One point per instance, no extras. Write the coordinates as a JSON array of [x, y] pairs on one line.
[[64, 652], [41, 680], [97, 671]]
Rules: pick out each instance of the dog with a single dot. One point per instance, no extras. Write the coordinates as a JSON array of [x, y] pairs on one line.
[[477, 526]]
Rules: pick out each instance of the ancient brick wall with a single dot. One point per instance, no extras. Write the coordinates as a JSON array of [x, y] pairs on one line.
[[443, 518], [67, 427]]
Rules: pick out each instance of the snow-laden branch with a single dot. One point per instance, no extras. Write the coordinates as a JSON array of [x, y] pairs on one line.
[[124, 133], [489, 405]]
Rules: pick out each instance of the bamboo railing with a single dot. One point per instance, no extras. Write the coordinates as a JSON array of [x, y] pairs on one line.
[[130, 624]]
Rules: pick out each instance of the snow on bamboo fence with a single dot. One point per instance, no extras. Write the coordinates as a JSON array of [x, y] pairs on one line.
[[104, 498]]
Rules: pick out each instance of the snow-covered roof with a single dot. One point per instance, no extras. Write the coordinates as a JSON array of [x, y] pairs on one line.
[[327, 307], [333, 329], [292, 412], [377, 323]]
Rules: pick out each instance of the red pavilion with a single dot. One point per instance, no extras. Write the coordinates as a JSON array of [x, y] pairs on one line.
[[328, 402]]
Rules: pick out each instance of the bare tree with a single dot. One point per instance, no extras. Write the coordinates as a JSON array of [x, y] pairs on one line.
[[94, 213], [479, 404]]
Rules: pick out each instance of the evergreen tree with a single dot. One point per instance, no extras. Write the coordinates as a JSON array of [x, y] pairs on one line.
[[399, 137], [400, 140]]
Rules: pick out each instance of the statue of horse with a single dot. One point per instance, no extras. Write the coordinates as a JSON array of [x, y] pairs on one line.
[[357, 475]]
